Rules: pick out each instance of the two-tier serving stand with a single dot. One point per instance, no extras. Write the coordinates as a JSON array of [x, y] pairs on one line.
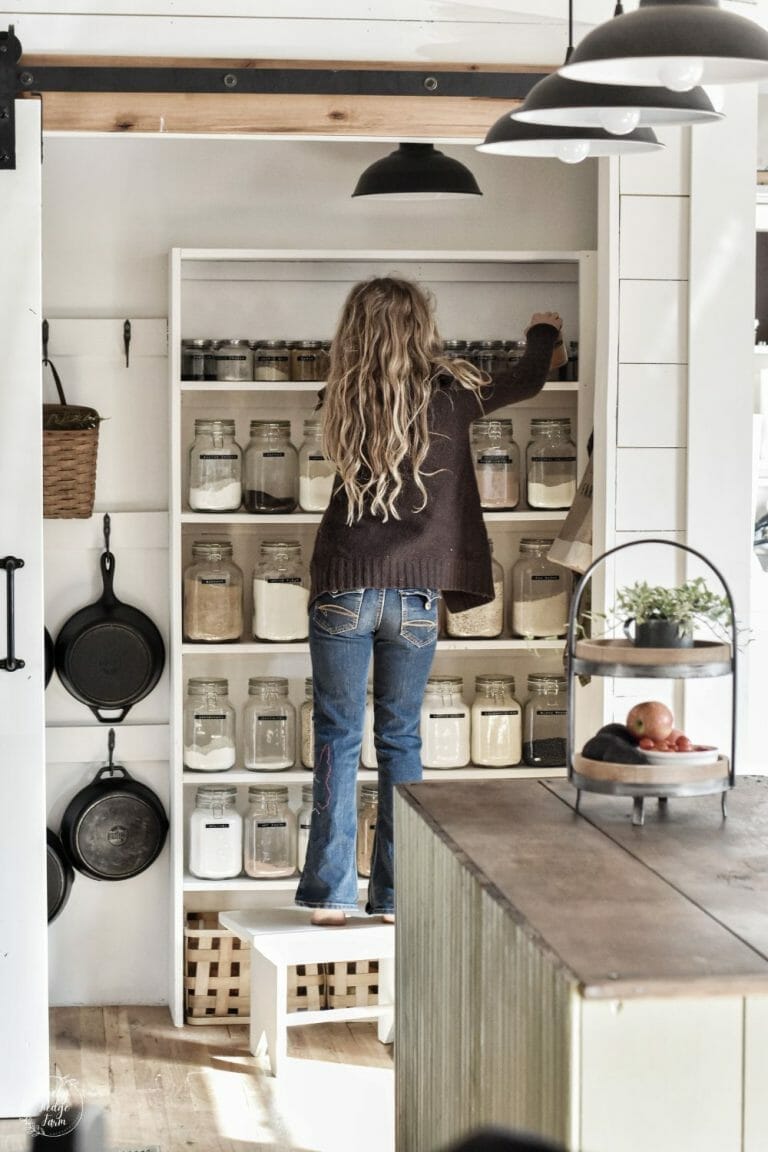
[[620, 657]]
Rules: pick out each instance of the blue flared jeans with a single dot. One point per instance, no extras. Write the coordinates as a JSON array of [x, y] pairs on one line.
[[397, 629]]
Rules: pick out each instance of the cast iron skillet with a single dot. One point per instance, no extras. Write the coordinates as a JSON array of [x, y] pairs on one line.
[[109, 655], [48, 649], [60, 875], [115, 827]]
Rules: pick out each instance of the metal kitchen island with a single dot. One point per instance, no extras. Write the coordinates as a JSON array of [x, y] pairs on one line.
[[601, 984]]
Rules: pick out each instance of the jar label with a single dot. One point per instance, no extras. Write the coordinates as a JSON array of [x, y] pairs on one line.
[[271, 719], [499, 711], [228, 357], [551, 712], [210, 715], [495, 461], [446, 715], [554, 460], [318, 458], [214, 580], [305, 827], [554, 576], [216, 826], [271, 824], [283, 580], [218, 455], [279, 359], [306, 357], [277, 455]]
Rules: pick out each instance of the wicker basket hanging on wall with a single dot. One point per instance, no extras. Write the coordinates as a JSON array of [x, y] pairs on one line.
[[70, 449]]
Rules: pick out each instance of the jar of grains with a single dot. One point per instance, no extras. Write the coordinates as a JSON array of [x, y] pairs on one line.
[[496, 460], [269, 836], [496, 722], [215, 833], [444, 724], [303, 825], [307, 360], [545, 721], [280, 593], [550, 464], [215, 468], [271, 468], [316, 473], [368, 757], [193, 359], [209, 726], [269, 725], [367, 812], [541, 592], [234, 360], [306, 724], [213, 594], [485, 621], [271, 360]]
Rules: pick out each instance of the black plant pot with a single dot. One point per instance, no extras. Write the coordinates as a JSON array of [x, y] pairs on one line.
[[657, 634]]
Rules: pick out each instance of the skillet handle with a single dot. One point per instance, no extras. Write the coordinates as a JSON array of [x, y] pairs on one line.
[[111, 770], [109, 719], [108, 598]]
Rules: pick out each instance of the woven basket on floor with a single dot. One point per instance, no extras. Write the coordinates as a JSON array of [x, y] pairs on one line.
[[70, 448]]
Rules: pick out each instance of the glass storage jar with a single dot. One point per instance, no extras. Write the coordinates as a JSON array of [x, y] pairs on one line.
[[316, 473], [215, 468], [550, 464], [489, 356], [487, 620], [545, 721], [368, 757], [209, 726], [280, 593], [303, 825], [234, 360], [496, 460], [215, 833], [515, 350], [271, 360], [306, 723], [496, 722], [307, 360], [269, 835], [193, 359], [213, 594], [455, 349], [269, 725], [271, 468], [445, 741], [540, 592], [366, 827]]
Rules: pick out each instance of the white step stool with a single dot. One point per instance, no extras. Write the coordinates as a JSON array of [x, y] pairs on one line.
[[281, 938]]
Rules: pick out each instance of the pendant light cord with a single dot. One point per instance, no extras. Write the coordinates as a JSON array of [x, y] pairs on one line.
[[569, 49]]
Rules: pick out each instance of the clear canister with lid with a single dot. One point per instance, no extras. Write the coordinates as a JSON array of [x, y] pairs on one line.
[[271, 468], [445, 720], [316, 473], [487, 620], [215, 468], [209, 726], [213, 594], [269, 725], [545, 721], [368, 757], [489, 356], [515, 350], [367, 811], [306, 724], [496, 460], [193, 359], [269, 835], [541, 591], [234, 360], [280, 592], [307, 363], [550, 465], [271, 360], [215, 833], [497, 722], [455, 349], [303, 825]]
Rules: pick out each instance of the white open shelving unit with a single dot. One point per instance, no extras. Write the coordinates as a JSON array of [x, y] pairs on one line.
[[297, 294]]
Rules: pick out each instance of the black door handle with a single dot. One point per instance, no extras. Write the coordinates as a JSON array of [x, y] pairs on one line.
[[11, 663]]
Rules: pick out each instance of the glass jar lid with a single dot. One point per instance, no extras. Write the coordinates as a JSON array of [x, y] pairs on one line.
[[312, 427], [491, 428], [308, 686], [274, 427], [546, 683], [280, 547], [488, 682], [444, 684], [238, 342], [308, 344], [215, 427], [489, 345], [306, 793], [535, 546], [207, 686], [272, 344], [212, 549], [454, 345], [216, 796], [369, 793], [267, 686], [551, 424], [278, 792], [196, 343]]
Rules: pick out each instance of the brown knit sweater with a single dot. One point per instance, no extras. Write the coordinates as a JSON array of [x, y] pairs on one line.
[[445, 545]]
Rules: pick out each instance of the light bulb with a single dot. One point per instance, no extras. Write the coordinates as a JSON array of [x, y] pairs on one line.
[[681, 73], [572, 151], [620, 121]]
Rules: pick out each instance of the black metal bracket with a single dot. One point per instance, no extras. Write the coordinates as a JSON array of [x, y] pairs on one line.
[[18, 80], [11, 662]]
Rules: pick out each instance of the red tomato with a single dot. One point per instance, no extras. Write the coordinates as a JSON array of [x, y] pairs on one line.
[[646, 743], [683, 744]]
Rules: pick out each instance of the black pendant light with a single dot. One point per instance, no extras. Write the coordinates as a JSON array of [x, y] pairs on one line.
[[417, 172], [675, 43], [508, 137]]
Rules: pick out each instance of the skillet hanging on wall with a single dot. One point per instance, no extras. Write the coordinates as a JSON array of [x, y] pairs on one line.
[[109, 655], [60, 875], [115, 827]]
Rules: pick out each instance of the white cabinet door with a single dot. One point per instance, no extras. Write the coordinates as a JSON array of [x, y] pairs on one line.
[[23, 904]]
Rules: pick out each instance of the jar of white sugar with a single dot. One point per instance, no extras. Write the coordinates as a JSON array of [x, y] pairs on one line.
[[316, 472], [541, 592], [550, 459], [209, 726], [215, 468], [280, 593]]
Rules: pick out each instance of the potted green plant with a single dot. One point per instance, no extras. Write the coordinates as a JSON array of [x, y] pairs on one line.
[[666, 617]]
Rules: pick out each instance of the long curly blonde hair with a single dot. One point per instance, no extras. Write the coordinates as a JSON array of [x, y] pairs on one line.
[[384, 360]]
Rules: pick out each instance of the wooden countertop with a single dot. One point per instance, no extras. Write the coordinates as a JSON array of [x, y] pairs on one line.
[[677, 906]]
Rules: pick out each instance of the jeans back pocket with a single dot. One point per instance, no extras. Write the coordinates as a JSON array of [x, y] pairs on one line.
[[336, 612], [419, 615]]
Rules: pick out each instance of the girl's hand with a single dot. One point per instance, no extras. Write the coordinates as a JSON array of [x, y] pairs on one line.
[[552, 318]]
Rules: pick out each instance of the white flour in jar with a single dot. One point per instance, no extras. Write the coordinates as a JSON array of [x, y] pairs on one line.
[[280, 610], [216, 497], [315, 492], [547, 616], [217, 755], [561, 494]]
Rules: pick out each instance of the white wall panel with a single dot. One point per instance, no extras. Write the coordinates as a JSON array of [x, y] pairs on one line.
[[665, 173], [654, 238], [755, 1063], [650, 489], [653, 322], [653, 406]]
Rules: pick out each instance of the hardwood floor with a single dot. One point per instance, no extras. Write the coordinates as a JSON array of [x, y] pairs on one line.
[[198, 1087]]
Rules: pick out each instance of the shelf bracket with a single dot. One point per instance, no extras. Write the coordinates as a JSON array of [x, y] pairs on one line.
[[10, 51]]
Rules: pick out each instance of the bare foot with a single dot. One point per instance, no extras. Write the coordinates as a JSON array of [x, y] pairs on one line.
[[388, 917], [329, 917]]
